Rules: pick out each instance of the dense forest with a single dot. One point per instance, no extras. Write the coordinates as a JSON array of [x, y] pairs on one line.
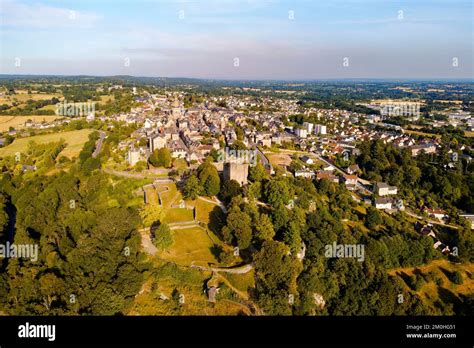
[[89, 259]]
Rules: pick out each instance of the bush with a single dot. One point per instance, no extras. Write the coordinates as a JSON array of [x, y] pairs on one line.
[[456, 278]]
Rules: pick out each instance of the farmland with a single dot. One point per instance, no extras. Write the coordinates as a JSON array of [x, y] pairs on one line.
[[74, 142], [18, 122]]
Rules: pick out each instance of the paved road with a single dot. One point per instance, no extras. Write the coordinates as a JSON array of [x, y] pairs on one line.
[[99, 144], [434, 222], [339, 170]]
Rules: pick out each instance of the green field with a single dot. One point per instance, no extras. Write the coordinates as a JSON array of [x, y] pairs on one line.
[[18, 122], [191, 246], [178, 215], [74, 140]]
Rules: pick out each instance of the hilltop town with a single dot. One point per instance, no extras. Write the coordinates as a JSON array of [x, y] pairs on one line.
[[238, 189]]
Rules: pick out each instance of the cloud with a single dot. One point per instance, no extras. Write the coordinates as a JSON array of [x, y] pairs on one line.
[[17, 14]]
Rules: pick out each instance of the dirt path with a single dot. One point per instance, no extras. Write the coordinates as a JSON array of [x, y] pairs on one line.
[[147, 244], [235, 270], [218, 202]]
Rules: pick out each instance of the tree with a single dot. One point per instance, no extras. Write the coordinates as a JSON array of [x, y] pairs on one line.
[[230, 189], [3, 216], [214, 154], [238, 227], [162, 237], [280, 216], [264, 228], [151, 214], [90, 165], [456, 277], [209, 178], [140, 166], [212, 186], [192, 188], [276, 273], [292, 236], [277, 192], [373, 218], [161, 158], [257, 173]]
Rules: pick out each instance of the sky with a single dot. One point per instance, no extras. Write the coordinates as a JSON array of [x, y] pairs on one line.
[[239, 39]]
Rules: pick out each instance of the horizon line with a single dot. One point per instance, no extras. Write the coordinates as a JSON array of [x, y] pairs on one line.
[[394, 79]]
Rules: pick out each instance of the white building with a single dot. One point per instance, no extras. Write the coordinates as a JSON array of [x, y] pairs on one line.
[[301, 132], [383, 189], [305, 173], [320, 129], [309, 127], [157, 142], [133, 157], [383, 203]]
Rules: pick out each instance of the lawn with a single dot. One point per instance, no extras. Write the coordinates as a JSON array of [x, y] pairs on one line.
[[432, 135], [152, 196], [180, 164], [169, 194], [190, 246], [242, 282], [469, 134], [441, 268], [189, 283], [18, 122], [178, 215], [279, 159], [74, 139]]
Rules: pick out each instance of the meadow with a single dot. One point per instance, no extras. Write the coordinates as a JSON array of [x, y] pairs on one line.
[[74, 142]]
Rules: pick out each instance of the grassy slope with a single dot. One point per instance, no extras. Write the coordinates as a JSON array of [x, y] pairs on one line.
[[74, 139]]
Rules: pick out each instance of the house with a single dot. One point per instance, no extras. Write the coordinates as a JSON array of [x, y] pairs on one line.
[[399, 204], [470, 218], [148, 124], [305, 173], [156, 142], [307, 160], [204, 149], [353, 169], [425, 230], [383, 189], [328, 176], [178, 149], [383, 203], [426, 148], [327, 168], [90, 117], [350, 181], [442, 247], [435, 213]]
